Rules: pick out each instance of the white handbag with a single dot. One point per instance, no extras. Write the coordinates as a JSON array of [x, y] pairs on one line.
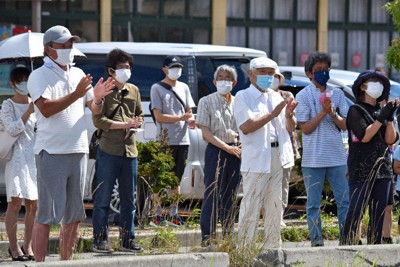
[[6, 145]]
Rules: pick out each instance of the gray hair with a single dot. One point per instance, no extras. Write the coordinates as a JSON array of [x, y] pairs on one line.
[[226, 68]]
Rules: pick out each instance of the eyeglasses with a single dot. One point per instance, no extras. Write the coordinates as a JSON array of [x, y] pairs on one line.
[[122, 67], [320, 69]]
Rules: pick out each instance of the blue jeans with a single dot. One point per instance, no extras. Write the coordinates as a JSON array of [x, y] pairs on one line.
[[373, 194], [108, 169], [314, 181], [221, 180]]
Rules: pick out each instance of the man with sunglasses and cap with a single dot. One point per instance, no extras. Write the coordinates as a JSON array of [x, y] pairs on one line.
[[60, 93], [172, 103]]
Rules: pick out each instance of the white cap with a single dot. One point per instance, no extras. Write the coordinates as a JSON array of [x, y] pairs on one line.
[[263, 62]]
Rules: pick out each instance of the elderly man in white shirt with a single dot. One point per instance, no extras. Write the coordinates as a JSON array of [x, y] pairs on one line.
[[264, 119]]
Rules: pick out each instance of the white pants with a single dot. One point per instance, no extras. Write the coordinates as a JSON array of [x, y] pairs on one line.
[[262, 191]]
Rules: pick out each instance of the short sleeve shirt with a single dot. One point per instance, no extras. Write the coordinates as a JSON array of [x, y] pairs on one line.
[[216, 113], [324, 146], [367, 160], [256, 148], [66, 131], [165, 101]]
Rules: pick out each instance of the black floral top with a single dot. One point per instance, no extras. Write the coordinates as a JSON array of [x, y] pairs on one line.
[[366, 161]]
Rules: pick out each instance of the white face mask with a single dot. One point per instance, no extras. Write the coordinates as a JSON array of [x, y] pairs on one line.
[[224, 87], [122, 75], [174, 73], [64, 56], [275, 84], [22, 88], [374, 89]]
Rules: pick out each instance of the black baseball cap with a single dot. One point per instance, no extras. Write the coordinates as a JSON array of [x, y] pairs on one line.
[[171, 61]]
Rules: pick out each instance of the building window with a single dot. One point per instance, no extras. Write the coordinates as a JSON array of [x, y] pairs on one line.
[[357, 50], [148, 7], [336, 10], [259, 9], [306, 10], [358, 11], [174, 8], [259, 38], [174, 34], [305, 43], [336, 48], [235, 8], [200, 8], [236, 36], [379, 42], [378, 11], [282, 49], [283, 10], [200, 36]]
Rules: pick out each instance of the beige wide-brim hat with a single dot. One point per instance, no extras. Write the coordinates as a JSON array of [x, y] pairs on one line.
[[281, 77]]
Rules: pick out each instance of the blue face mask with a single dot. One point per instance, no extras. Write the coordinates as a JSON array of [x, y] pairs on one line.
[[321, 77], [264, 81]]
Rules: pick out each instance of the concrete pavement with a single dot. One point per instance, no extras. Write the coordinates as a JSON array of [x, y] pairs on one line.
[[190, 254]]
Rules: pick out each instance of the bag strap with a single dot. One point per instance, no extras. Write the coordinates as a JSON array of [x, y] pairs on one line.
[[169, 87], [99, 131], [365, 112], [367, 115]]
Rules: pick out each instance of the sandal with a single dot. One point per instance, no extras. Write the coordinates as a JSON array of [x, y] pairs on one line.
[[18, 258], [29, 257]]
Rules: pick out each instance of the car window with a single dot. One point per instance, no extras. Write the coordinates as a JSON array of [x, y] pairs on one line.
[[145, 72], [5, 68], [206, 67]]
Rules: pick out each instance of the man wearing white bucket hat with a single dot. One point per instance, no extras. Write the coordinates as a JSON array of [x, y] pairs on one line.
[[264, 119]]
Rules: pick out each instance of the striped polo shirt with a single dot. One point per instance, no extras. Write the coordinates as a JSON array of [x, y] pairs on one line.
[[324, 146]]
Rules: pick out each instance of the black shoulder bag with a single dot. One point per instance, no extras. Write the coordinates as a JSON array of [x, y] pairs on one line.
[[168, 87], [94, 141]]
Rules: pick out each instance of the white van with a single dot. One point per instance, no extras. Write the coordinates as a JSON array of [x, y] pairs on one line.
[[200, 62]]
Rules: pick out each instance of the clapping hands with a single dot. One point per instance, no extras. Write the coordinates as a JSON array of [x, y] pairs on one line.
[[387, 112]]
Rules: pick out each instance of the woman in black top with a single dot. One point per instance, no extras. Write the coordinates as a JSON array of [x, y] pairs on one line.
[[371, 130]]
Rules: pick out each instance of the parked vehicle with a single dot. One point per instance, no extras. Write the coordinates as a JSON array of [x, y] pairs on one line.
[[200, 62], [338, 78]]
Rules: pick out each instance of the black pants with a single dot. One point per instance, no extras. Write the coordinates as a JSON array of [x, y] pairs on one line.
[[180, 154], [373, 194]]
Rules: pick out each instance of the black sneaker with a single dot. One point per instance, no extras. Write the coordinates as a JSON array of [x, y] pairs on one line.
[[132, 247], [101, 247]]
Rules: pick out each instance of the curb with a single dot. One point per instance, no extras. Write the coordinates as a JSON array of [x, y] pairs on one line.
[[365, 255], [182, 260]]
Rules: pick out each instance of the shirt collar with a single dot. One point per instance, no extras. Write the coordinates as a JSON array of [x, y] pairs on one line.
[[48, 62], [255, 93], [223, 99]]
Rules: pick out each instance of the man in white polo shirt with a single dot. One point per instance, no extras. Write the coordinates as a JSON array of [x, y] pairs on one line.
[[61, 93], [264, 119]]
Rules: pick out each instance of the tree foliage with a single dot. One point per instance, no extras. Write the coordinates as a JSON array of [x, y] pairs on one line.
[[393, 52]]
